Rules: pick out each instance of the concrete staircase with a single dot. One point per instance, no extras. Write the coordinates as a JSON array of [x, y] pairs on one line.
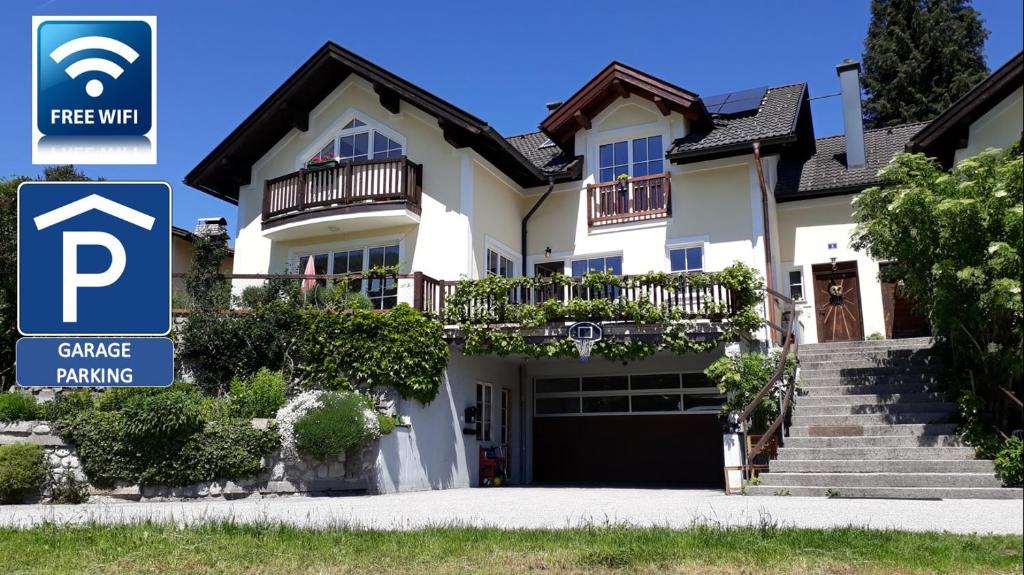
[[869, 422]]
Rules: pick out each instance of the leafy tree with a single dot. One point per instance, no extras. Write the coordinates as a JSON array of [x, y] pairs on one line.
[[956, 242], [920, 56], [9, 262], [207, 289]]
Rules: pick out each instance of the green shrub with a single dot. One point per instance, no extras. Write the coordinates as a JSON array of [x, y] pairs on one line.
[[259, 395], [387, 424], [18, 407], [1010, 462], [160, 416], [225, 449], [345, 422], [66, 405], [69, 490], [22, 471], [741, 378]]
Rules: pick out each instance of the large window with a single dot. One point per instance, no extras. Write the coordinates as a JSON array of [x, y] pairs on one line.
[[610, 264], [383, 292], [686, 259], [639, 157], [483, 411], [499, 265], [625, 394], [357, 141]]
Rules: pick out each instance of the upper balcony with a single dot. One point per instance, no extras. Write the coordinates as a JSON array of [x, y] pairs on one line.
[[355, 196], [625, 200]]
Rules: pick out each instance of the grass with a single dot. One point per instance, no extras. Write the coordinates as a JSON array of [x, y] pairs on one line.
[[234, 549]]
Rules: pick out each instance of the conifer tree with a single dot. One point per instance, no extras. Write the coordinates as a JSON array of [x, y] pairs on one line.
[[920, 56]]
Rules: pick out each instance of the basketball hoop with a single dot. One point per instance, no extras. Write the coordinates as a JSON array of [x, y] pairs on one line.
[[584, 335]]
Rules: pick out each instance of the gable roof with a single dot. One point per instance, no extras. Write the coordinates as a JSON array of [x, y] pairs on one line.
[[614, 81], [550, 159], [783, 117], [824, 173], [229, 165], [945, 134]]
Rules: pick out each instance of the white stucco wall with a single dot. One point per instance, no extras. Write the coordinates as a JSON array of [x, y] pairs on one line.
[[434, 453], [805, 230], [998, 128]]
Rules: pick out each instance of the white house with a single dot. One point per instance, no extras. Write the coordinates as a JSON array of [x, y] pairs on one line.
[[419, 183]]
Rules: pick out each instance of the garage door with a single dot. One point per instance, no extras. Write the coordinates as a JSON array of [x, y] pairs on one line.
[[627, 429]]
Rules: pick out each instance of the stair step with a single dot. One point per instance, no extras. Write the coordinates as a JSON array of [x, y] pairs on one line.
[[869, 399], [922, 354], [882, 466], [873, 430], [827, 361], [871, 419], [841, 480], [876, 441], [882, 389], [855, 453], [849, 346], [832, 370], [893, 492], [817, 380], [874, 408]]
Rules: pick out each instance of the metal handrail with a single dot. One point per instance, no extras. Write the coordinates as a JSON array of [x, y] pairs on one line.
[[789, 338]]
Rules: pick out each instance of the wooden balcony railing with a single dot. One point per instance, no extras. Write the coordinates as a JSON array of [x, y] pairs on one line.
[[636, 199], [348, 186]]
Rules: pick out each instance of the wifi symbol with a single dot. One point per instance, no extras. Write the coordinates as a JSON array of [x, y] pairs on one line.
[[94, 87]]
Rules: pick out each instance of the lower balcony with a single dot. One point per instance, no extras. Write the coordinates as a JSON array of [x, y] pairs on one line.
[[350, 196]]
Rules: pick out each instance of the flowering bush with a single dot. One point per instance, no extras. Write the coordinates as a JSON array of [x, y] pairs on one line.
[[333, 423], [289, 415]]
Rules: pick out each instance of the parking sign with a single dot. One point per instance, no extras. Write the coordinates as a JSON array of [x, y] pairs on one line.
[[94, 258]]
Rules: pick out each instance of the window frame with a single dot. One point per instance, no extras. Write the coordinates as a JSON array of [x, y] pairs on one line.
[[505, 415], [631, 161], [685, 247], [332, 251], [484, 407], [629, 392], [587, 257], [790, 284], [337, 130]]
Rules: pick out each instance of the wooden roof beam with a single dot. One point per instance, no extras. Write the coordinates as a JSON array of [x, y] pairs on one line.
[[389, 98], [620, 88], [582, 119], [662, 105], [295, 117]]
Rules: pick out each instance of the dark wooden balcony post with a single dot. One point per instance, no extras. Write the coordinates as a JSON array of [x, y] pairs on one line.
[[417, 291], [300, 192], [668, 193]]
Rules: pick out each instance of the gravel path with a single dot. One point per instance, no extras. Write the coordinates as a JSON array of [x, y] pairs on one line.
[[531, 507]]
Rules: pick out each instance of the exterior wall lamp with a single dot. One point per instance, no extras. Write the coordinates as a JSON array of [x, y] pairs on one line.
[[547, 252]]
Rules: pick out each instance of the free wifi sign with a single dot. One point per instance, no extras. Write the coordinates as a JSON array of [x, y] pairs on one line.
[[93, 77]]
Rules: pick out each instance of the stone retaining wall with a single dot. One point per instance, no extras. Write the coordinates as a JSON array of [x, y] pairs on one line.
[[345, 474]]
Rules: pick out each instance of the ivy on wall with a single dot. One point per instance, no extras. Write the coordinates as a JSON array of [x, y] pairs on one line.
[[491, 320]]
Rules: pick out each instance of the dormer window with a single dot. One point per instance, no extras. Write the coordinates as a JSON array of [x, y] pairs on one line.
[[358, 141], [636, 158]]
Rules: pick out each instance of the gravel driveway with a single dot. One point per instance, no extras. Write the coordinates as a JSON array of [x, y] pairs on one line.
[[549, 507]]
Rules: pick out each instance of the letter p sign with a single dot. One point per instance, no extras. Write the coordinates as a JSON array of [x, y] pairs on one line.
[[113, 245]]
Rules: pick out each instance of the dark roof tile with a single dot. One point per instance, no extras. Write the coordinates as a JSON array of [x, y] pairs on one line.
[[550, 159], [826, 170]]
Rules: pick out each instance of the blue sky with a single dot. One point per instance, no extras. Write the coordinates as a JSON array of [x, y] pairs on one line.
[[218, 60]]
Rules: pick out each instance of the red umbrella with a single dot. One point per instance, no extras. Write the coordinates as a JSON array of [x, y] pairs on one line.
[[308, 283]]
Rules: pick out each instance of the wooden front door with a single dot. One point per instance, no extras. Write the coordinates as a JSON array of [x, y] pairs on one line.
[[901, 320], [837, 302]]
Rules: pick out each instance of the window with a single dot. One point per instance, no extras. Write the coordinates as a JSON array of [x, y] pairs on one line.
[[383, 292], [353, 143], [688, 259], [499, 265], [613, 160], [483, 411], [641, 157], [647, 156], [624, 394], [796, 284], [506, 417], [610, 264]]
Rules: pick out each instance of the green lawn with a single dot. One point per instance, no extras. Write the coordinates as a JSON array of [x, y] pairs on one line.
[[284, 551]]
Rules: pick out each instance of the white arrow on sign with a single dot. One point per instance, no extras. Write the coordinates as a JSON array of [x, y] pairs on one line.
[[72, 280]]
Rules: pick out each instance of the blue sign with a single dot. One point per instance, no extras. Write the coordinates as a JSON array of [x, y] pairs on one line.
[[94, 258], [95, 77], [94, 362]]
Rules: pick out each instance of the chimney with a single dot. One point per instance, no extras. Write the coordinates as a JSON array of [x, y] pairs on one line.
[[552, 106], [853, 119], [207, 227]]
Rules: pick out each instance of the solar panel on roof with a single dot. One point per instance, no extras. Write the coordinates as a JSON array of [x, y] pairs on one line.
[[735, 102]]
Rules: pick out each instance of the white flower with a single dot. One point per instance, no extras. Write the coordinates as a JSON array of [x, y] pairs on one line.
[[286, 417]]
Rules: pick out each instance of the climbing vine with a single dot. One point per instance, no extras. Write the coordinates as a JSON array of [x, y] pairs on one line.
[[492, 320]]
